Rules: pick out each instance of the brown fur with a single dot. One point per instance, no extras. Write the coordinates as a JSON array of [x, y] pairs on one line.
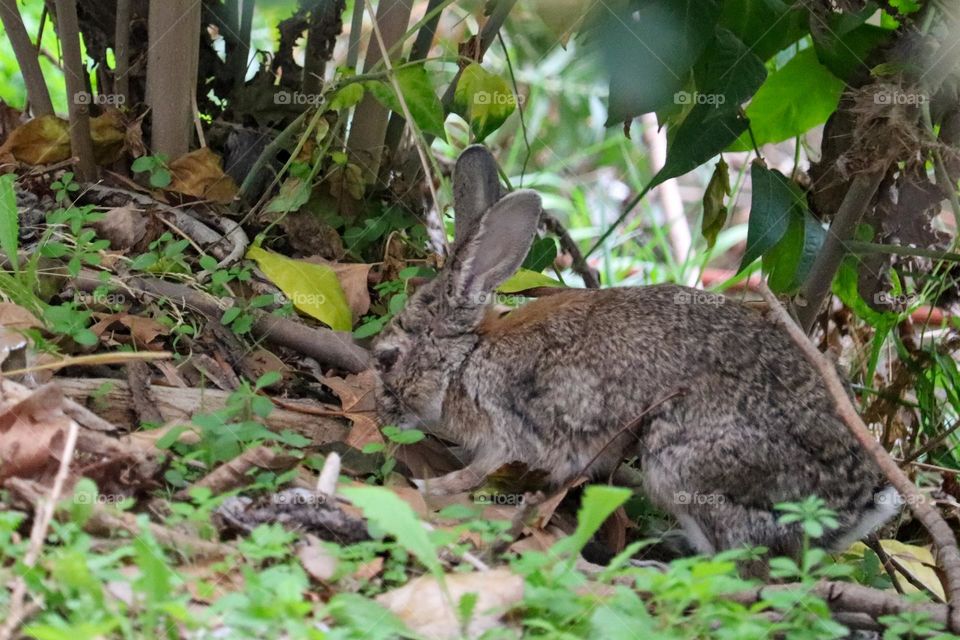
[[553, 382]]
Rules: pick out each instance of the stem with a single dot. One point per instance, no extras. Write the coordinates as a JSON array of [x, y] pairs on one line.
[[75, 75], [121, 51], [855, 204], [26, 55]]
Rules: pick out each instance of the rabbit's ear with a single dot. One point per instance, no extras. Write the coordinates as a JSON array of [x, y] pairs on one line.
[[498, 247], [476, 188]]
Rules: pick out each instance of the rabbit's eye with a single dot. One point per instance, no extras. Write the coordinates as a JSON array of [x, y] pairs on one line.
[[387, 358]]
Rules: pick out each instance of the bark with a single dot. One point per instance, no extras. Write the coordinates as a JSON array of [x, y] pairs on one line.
[[78, 98], [26, 54], [369, 127], [172, 73]]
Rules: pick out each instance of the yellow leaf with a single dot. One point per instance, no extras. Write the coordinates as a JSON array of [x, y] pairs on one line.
[[312, 288], [526, 279], [43, 140], [917, 561], [199, 174]]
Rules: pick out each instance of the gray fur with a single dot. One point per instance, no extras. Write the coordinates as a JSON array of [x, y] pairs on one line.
[[553, 382]]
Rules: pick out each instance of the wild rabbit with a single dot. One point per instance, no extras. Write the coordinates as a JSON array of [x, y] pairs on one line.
[[551, 384]]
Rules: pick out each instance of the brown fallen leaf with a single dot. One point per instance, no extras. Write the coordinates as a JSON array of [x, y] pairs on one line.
[[200, 174], [142, 331], [353, 281], [357, 398], [43, 140], [424, 608], [316, 559], [32, 428], [369, 570], [46, 140], [108, 134], [13, 316], [124, 227]]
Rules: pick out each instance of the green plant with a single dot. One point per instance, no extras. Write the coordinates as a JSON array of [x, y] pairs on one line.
[[156, 167]]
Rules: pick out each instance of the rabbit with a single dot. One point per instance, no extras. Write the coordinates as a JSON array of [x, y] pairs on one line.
[[738, 420]]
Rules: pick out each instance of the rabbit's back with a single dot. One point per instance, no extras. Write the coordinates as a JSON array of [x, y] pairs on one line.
[[752, 424]]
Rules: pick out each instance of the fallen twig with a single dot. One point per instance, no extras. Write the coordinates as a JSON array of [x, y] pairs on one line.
[[944, 541], [325, 345]]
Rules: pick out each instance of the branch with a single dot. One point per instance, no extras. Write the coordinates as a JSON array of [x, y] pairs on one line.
[[369, 127], [325, 345], [590, 278], [76, 79], [947, 553], [121, 52], [26, 55], [845, 598], [817, 285]]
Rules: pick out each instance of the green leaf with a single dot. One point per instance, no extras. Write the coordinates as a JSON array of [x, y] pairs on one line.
[[525, 279], [395, 517], [845, 53], [541, 255], [599, 501], [483, 99], [770, 211], [766, 26], [732, 74], [313, 288], [714, 207], [649, 49], [698, 139], [794, 99], [294, 193], [789, 261], [9, 220], [143, 163], [422, 101], [353, 611], [160, 178], [346, 97]]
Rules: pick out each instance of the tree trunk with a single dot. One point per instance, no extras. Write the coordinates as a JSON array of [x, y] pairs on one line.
[[26, 55], [172, 73]]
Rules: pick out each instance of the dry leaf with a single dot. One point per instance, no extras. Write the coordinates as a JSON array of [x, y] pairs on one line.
[[43, 140], [353, 281], [13, 316], [422, 606], [32, 431], [124, 227], [200, 174], [108, 133], [316, 559], [369, 570], [142, 331]]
